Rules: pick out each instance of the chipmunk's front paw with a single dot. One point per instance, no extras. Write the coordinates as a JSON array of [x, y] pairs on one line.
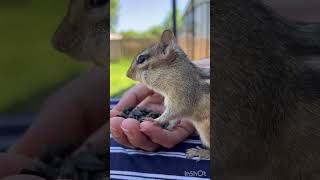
[[166, 125], [159, 122], [171, 125], [155, 121], [198, 152]]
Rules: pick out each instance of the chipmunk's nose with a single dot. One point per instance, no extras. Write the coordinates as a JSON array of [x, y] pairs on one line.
[[130, 74]]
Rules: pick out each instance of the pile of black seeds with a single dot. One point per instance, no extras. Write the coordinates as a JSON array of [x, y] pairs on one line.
[[139, 114], [56, 162]]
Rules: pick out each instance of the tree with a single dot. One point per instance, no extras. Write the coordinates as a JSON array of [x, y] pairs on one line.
[[114, 6], [167, 23], [131, 34]]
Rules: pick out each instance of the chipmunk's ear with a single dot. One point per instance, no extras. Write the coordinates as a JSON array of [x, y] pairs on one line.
[[167, 38]]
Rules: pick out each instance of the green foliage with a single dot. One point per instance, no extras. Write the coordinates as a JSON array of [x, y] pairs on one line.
[[167, 23], [155, 31], [114, 7], [118, 79], [132, 34]]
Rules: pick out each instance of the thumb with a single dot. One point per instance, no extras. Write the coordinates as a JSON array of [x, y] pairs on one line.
[[164, 137]]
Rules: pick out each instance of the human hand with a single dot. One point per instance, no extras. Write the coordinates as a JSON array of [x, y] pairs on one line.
[[73, 115], [147, 135]]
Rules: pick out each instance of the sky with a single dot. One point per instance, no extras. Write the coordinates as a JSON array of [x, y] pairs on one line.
[[140, 15]]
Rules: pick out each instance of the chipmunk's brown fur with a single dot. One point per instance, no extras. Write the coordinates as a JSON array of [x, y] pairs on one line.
[[83, 32], [185, 87]]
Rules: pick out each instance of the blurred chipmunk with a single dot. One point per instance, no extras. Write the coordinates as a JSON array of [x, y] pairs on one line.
[[266, 108], [82, 33], [166, 69]]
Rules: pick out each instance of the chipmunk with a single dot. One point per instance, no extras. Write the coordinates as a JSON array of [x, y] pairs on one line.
[[83, 33], [166, 69], [266, 108]]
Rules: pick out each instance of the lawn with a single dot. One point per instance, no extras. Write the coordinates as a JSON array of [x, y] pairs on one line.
[[118, 79], [30, 69]]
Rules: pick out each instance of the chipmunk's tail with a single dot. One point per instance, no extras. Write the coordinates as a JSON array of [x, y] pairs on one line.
[[304, 39]]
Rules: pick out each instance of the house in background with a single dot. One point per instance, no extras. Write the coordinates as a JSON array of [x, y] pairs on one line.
[[115, 36], [194, 35]]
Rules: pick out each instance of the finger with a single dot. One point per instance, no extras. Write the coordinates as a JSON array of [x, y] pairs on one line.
[[117, 133], [133, 97], [153, 102], [114, 113], [184, 124], [154, 107], [97, 141], [164, 137], [131, 128], [154, 98], [13, 163]]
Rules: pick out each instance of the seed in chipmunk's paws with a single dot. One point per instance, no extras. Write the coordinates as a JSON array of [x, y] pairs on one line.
[[142, 114]]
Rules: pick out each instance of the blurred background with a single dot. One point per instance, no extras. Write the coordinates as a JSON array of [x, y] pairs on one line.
[[139, 23], [30, 69]]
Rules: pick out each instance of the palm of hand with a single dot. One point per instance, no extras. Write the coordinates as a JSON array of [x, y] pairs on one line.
[[146, 135]]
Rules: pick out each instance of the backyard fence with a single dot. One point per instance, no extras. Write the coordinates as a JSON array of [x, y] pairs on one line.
[[195, 47], [120, 48], [194, 35]]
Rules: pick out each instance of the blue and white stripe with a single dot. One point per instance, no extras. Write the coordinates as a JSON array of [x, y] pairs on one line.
[[172, 164]]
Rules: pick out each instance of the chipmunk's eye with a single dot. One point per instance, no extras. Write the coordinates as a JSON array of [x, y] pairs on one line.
[[141, 59]]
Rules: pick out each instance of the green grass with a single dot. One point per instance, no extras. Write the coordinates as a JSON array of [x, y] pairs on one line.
[[30, 69], [118, 79]]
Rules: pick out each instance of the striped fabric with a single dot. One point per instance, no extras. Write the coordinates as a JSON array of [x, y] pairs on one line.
[[125, 163], [132, 164], [11, 127]]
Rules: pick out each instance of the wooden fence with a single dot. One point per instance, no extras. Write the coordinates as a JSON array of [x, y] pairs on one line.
[[195, 47], [128, 47]]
